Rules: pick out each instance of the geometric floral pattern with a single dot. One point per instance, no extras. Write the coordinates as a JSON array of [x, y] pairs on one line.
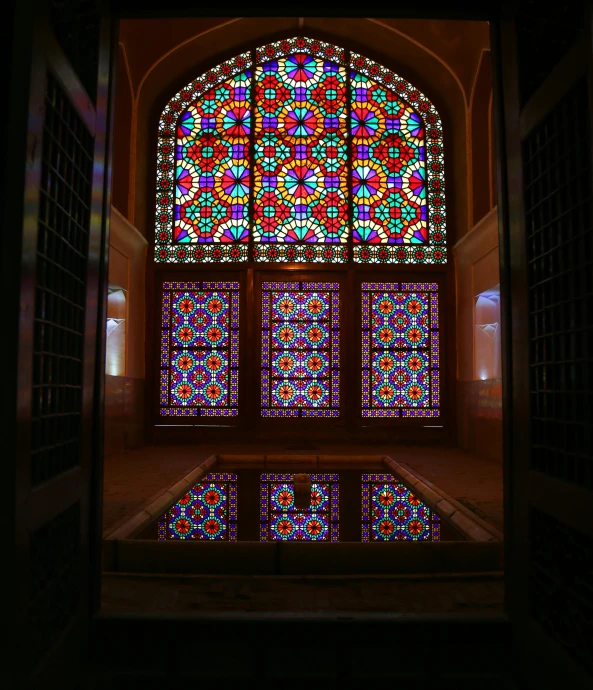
[[202, 168], [388, 169], [398, 142], [297, 186], [212, 177], [391, 512], [281, 521], [400, 350], [300, 349], [208, 511], [200, 349], [301, 185]]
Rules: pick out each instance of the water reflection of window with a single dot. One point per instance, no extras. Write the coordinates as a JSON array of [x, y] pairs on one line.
[[207, 512], [281, 521], [391, 512]]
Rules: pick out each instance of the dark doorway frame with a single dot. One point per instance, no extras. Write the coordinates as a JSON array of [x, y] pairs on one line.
[[544, 656]]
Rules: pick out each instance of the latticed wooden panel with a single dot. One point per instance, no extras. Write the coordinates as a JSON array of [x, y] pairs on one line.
[[558, 196], [62, 253], [561, 584], [557, 26], [55, 591], [76, 25]]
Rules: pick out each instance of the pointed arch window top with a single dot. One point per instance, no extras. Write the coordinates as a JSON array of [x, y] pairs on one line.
[[300, 151]]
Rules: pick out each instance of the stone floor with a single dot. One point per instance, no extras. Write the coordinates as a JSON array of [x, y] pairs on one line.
[[460, 594], [135, 478]]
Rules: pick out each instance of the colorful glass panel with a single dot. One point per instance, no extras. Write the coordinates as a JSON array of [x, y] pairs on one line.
[[200, 349], [300, 174], [391, 512], [287, 182], [300, 349], [212, 154], [281, 521], [398, 181], [203, 168], [207, 512], [388, 168], [400, 350]]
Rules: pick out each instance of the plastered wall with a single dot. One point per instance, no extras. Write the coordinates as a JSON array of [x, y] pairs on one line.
[[479, 401], [124, 395]]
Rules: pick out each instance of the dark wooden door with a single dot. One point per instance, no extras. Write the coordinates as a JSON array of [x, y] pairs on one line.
[[543, 85], [53, 256]]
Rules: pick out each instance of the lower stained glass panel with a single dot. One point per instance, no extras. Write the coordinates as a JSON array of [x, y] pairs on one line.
[[281, 521], [400, 350], [207, 512], [200, 349], [391, 512], [300, 350]]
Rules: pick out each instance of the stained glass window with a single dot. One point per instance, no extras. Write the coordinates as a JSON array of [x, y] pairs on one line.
[[200, 349], [400, 350], [388, 169], [398, 170], [281, 521], [390, 512], [258, 148], [203, 177], [300, 349], [301, 185], [208, 511]]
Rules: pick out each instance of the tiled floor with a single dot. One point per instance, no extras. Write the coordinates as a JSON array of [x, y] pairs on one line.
[[133, 479]]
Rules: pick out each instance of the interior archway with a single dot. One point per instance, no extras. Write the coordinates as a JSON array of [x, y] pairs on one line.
[[347, 428]]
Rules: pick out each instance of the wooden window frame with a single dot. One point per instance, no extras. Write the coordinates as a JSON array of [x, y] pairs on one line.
[[249, 423]]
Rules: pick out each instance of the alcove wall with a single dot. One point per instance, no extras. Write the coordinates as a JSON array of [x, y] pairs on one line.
[[124, 394], [479, 391]]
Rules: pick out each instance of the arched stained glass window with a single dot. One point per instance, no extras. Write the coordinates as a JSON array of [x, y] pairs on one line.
[[300, 172], [212, 158], [388, 168], [300, 151]]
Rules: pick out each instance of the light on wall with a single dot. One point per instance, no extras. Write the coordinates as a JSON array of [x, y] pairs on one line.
[[487, 359], [115, 359]]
